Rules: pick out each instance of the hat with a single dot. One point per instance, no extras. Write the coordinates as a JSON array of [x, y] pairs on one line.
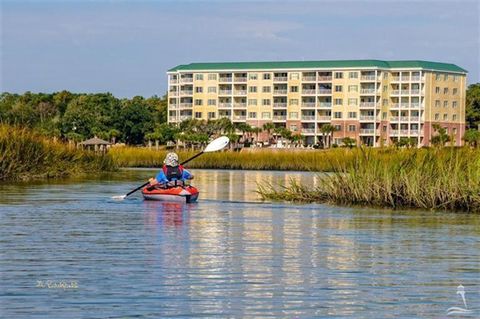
[[171, 159]]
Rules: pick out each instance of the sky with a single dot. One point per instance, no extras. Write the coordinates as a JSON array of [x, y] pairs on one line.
[[126, 47]]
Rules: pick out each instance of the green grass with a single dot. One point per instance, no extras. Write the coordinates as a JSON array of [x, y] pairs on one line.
[[26, 155], [438, 179]]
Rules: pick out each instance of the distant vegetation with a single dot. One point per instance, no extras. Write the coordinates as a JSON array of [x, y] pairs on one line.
[[25, 155], [435, 178]]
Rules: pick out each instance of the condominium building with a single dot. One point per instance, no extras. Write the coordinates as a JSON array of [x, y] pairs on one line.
[[374, 102]]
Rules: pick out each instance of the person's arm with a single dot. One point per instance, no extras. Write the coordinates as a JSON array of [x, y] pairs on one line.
[[187, 175], [159, 179]]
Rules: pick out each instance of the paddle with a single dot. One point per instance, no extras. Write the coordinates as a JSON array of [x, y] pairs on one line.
[[215, 145]]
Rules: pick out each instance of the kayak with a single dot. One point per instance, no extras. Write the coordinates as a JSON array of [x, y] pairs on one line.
[[184, 194]]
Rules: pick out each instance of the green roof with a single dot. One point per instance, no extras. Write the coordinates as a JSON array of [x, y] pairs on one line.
[[427, 65]]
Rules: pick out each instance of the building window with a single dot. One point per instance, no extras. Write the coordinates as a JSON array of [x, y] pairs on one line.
[[353, 75], [352, 115], [265, 115], [454, 104], [437, 76], [252, 76], [352, 101], [198, 115], [454, 131], [212, 76], [445, 77], [199, 77], [385, 75], [338, 88], [353, 88], [352, 128], [384, 128], [294, 89], [266, 102], [338, 75], [266, 89], [198, 89], [445, 117], [198, 102], [293, 128], [267, 76], [293, 115], [454, 117], [252, 89], [445, 91], [294, 76], [252, 115], [212, 89], [445, 103], [338, 102], [437, 103], [455, 91], [212, 102], [437, 116], [337, 127], [385, 88], [211, 115], [293, 101], [337, 115], [437, 90], [252, 102], [455, 78]]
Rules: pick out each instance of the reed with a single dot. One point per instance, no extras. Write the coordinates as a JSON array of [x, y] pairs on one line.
[[26, 155], [438, 179]]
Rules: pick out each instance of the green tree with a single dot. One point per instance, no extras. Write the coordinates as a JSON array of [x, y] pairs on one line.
[[472, 105], [441, 138], [268, 127], [472, 138], [327, 132], [349, 142], [136, 120]]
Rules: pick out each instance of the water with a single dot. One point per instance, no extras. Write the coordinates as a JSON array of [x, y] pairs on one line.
[[68, 251]]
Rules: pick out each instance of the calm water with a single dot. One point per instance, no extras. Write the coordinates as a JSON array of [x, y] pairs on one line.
[[228, 256]]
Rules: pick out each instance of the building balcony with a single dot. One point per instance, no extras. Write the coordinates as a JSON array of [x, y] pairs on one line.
[[367, 104], [280, 105], [324, 78], [367, 91], [173, 81], [225, 92], [325, 104], [308, 117], [172, 118], [325, 118], [367, 118], [309, 78], [324, 91], [280, 92], [173, 93], [308, 130], [308, 104], [225, 79], [415, 91], [280, 79], [279, 117], [368, 77], [184, 93], [394, 92], [186, 80], [172, 105], [223, 116], [185, 117], [416, 78], [414, 118], [241, 79], [186, 105], [308, 91], [225, 105], [240, 92], [240, 105], [367, 131], [239, 117]]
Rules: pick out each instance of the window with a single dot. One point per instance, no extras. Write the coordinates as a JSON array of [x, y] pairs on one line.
[[445, 117], [293, 115], [265, 115], [252, 102], [293, 128], [198, 115], [266, 76], [454, 117], [352, 101], [338, 88], [199, 77], [455, 78], [212, 89], [198, 89], [384, 128], [338, 102], [437, 90], [454, 131], [337, 127], [266, 89], [294, 89], [294, 76], [252, 89], [445, 77], [198, 102], [266, 102], [211, 115], [455, 91], [437, 103], [212, 76], [454, 104], [252, 115], [352, 128], [252, 76], [352, 115], [445, 91], [385, 75], [445, 103], [437, 76], [212, 102], [353, 75], [293, 101], [337, 115], [353, 88], [338, 75], [437, 116]]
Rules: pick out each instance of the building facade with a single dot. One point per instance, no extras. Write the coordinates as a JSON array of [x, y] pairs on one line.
[[374, 102]]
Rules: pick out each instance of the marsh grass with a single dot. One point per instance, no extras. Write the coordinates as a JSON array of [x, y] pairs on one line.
[[27, 155], [439, 179]]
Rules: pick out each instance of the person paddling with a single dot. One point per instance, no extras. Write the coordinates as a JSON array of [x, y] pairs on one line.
[[172, 174]]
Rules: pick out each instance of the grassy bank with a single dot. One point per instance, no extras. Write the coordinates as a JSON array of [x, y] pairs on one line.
[[440, 179], [266, 159], [26, 155]]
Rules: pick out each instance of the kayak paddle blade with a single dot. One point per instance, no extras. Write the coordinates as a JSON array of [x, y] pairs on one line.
[[217, 144]]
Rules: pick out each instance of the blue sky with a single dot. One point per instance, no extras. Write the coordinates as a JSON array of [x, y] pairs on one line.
[[125, 47]]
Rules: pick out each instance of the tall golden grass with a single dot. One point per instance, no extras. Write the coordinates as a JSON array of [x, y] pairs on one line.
[[439, 179], [27, 155]]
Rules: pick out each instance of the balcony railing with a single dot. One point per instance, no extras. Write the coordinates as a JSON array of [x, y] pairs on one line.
[[416, 105], [279, 117], [172, 118], [186, 104], [225, 105], [367, 91], [279, 104], [324, 91], [186, 92], [395, 92], [225, 79], [324, 118], [225, 92], [223, 116], [366, 131], [172, 105], [240, 105], [173, 93], [240, 92], [240, 117], [185, 117], [308, 130], [308, 91], [309, 78], [367, 104], [367, 118], [324, 78], [280, 79], [281, 91], [414, 118], [240, 79], [173, 81], [308, 104], [405, 92], [415, 91], [416, 78], [367, 77], [308, 117], [186, 80], [325, 104]]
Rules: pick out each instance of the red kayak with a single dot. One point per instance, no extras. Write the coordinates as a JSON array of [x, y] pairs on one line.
[[184, 194]]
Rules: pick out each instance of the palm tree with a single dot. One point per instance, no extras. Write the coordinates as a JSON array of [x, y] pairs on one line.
[[268, 127], [256, 131], [327, 131]]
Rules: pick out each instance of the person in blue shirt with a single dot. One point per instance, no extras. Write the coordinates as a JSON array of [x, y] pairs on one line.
[[172, 173]]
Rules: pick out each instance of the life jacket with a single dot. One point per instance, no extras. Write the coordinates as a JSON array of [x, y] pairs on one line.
[[173, 172]]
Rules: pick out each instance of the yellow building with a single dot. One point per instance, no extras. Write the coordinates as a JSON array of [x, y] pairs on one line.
[[374, 102]]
